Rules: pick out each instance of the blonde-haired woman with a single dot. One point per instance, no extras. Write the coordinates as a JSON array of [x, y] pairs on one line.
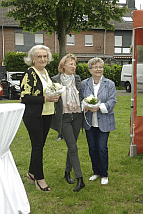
[[68, 118], [39, 109]]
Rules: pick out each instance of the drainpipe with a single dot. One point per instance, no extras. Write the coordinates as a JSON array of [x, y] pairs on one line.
[[105, 42], [55, 43], [2, 42], [2, 36]]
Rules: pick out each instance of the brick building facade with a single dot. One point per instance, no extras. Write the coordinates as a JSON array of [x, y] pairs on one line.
[[109, 45]]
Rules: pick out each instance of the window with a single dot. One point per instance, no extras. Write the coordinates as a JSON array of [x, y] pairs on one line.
[[88, 40], [19, 39], [71, 39], [127, 19], [39, 38], [126, 50], [118, 41], [117, 50]]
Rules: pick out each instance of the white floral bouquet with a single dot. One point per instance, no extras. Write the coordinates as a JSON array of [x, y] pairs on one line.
[[55, 89], [91, 102]]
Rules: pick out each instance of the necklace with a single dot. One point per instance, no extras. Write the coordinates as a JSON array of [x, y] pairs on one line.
[[44, 76]]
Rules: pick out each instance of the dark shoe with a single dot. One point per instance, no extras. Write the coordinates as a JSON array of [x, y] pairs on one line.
[[30, 179], [47, 189], [68, 178], [80, 185]]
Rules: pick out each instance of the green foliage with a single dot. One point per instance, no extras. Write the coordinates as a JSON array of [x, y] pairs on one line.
[[113, 72], [140, 53], [64, 16], [14, 61], [82, 71], [53, 66]]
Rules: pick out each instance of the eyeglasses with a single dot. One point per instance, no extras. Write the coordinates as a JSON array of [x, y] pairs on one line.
[[96, 68], [39, 57]]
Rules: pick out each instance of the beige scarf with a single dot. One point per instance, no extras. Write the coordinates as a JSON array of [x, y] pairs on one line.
[[72, 94]]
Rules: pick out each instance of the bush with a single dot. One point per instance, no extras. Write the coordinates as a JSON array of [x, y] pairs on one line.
[[83, 71], [53, 66], [113, 72], [14, 61]]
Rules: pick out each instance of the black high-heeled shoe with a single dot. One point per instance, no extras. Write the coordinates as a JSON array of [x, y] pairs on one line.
[[68, 178], [47, 189], [80, 185]]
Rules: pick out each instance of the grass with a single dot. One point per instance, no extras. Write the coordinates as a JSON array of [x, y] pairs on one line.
[[123, 194]]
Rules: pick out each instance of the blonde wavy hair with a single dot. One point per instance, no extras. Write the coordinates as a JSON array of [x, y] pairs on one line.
[[64, 60]]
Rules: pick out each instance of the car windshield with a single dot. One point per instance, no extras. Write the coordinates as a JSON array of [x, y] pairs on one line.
[[16, 76]]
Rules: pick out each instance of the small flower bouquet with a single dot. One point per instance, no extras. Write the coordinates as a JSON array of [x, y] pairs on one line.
[[91, 102], [55, 89]]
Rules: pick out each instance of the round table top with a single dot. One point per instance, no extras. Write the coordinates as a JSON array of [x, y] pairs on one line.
[[4, 107]]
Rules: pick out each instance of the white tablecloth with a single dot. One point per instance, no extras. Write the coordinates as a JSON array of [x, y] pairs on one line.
[[13, 198]]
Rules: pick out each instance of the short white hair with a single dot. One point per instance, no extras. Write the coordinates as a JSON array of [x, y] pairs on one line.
[[31, 53], [93, 61]]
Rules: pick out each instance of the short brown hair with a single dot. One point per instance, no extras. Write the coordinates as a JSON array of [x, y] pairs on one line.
[[63, 61]]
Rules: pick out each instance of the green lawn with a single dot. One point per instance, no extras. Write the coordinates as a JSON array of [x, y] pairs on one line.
[[123, 194]]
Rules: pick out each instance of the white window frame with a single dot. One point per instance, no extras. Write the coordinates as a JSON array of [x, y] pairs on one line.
[[89, 40], [127, 19], [117, 50], [126, 50], [39, 38], [19, 39], [118, 41], [71, 40]]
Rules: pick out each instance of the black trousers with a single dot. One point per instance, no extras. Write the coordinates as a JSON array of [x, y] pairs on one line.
[[38, 128]]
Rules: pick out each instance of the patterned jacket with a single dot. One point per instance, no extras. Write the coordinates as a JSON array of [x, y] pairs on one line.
[[32, 93], [107, 95]]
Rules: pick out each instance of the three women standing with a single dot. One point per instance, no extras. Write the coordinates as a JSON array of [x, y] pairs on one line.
[[68, 117]]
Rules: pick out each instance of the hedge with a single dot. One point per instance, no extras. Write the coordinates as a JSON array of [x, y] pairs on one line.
[[14, 62]]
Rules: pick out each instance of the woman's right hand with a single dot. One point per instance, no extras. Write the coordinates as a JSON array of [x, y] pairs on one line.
[[94, 110], [52, 98]]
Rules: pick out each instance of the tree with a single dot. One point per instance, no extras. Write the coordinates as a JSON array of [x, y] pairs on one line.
[[140, 53], [64, 16]]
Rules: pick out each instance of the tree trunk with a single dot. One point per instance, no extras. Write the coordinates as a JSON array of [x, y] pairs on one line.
[[62, 43]]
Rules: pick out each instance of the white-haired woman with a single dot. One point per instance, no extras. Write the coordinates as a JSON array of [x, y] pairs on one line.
[[100, 121], [39, 109]]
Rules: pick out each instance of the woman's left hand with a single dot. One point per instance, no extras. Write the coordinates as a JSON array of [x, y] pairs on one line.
[[52, 98]]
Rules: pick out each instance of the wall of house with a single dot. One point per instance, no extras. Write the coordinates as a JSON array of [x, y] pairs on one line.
[[126, 37], [49, 41], [109, 43], [8, 42], [1, 52], [29, 41], [98, 43], [78, 48]]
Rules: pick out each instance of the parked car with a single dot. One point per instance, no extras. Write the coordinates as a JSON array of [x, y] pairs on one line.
[[126, 77], [1, 91], [11, 84]]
